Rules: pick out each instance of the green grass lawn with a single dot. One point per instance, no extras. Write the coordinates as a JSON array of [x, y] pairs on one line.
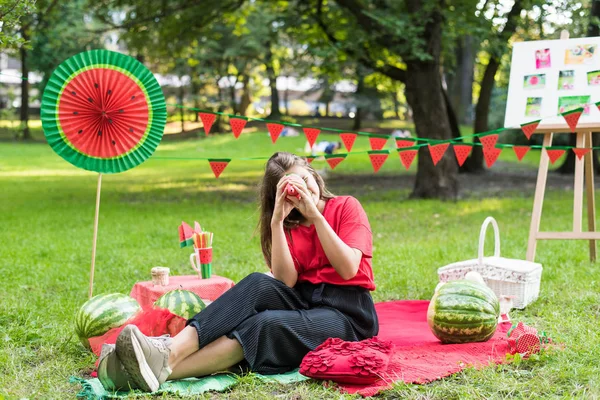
[[47, 210]]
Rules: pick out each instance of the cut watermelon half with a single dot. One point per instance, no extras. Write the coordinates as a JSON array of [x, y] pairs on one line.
[[348, 139], [554, 154], [103, 111], [437, 151], [491, 155], [311, 135], [274, 131], [334, 159], [407, 157], [378, 158], [572, 118], [580, 152], [488, 141], [237, 126], [520, 151], [377, 143], [529, 128], [461, 151], [208, 119], [218, 165], [404, 143]]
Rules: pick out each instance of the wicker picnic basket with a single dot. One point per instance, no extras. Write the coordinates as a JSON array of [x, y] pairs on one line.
[[518, 280]]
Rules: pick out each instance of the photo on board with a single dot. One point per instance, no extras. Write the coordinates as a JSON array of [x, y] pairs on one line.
[[536, 81]]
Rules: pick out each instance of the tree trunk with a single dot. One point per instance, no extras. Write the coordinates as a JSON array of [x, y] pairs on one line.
[[25, 88], [181, 110], [275, 112], [396, 104], [196, 97], [232, 97], [358, 100], [460, 82], [327, 109], [474, 163], [246, 97], [424, 94]]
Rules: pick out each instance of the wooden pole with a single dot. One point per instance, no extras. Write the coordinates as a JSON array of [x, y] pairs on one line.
[[95, 235], [589, 183]]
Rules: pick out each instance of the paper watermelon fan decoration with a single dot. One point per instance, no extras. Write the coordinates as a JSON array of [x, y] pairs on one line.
[[103, 111]]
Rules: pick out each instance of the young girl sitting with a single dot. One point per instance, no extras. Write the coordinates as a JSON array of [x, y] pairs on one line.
[[318, 247]]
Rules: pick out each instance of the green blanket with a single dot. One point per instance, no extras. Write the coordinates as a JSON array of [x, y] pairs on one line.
[[92, 388]]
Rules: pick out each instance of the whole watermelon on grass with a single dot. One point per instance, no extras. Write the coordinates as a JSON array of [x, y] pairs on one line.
[[463, 311], [181, 302], [101, 313]]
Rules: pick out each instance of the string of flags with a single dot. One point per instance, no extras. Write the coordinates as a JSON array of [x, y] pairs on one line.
[[407, 148]]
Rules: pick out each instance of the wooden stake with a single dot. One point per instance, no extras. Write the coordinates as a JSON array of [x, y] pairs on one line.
[[589, 183], [95, 235]]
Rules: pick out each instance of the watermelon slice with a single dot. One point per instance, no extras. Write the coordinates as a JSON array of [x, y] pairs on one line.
[[218, 165], [580, 152], [185, 235], [311, 135], [274, 131], [208, 119], [572, 117], [520, 151], [530, 127], [378, 158], [491, 155], [488, 141], [404, 143], [310, 159], [437, 151], [334, 159], [348, 139], [237, 126], [377, 143], [407, 157], [554, 154], [461, 151]]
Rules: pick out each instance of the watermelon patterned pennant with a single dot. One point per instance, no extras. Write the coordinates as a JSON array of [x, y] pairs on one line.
[[407, 157], [377, 143], [554, 154], [461, 151], [491, 155], [208, 119], [274, 131], [218, 165], [580, 152], [334, 159], [311, 135], [348, 139], [437, 151], [404, 143], [237, 126], [572, 117], [378, 158], [520, 151], [529, 128], [488, 141], [310, 159]]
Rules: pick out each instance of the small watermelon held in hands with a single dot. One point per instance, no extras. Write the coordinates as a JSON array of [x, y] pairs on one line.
[[181, 302], [463, 311], [102, 313]]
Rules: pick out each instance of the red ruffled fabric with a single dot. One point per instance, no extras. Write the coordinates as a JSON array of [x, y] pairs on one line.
[[348, 362]]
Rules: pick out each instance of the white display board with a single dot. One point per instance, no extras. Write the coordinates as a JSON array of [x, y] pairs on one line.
[[552, 76]]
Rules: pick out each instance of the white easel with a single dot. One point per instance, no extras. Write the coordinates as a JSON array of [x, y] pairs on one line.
[[585, 165]]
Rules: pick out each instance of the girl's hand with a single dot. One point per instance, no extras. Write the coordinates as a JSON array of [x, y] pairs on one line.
[[305, 204], [282, 206]]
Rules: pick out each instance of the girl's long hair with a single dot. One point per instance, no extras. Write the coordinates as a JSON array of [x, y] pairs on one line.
[[275, 169]]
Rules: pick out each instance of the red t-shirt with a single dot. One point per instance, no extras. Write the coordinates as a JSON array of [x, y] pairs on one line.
[[349, 221]]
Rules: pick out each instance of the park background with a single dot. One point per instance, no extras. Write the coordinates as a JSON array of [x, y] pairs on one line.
[[435, 69]]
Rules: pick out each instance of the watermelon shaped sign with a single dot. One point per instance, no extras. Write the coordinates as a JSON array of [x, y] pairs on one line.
[[237, 126], [103, 111], [377, 143], [407, 157], [218, 165], [378, 158], [520, 151], [274, 131], [334, 159], [530, 127], [208, 119], [437, 151], [461, 151], [348, 139]]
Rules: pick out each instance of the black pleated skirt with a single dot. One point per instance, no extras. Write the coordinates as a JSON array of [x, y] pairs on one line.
[[277, 325]]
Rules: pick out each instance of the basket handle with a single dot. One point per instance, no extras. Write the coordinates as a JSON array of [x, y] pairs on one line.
[[484, 226]]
